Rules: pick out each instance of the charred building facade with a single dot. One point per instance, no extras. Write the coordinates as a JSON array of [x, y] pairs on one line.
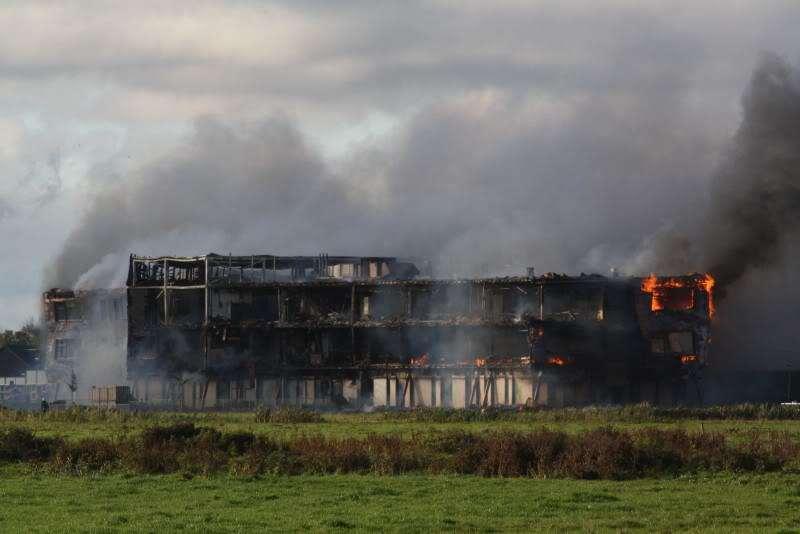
[[84, 340], [216, 331]]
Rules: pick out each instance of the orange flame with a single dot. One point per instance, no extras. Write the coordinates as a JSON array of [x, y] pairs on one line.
[[688, 358], [480, 362], [663, 298], [707, 283], [649, 284], [422, 361], [557, 360]]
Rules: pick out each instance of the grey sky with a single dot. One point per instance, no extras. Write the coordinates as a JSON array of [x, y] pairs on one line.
[[559, 134]]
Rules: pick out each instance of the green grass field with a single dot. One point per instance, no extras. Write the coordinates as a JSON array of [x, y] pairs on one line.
[[359, 424], [34, 499], [39, 503]]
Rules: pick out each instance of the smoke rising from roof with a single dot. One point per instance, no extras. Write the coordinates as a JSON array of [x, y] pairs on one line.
[[222, 187], [748, 237], [751, 236], [753, 199], [755, 196], [486, 183]]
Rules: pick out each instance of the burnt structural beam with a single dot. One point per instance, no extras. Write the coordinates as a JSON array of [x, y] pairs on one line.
[[166, 299]]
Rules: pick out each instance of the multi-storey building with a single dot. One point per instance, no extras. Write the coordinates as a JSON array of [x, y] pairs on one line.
[[215, 331]]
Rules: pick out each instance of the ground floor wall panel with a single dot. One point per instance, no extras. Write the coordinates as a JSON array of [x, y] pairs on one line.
[[395, 390]]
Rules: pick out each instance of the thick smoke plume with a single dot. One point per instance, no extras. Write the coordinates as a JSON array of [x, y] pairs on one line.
[[481, 184], [755, 197], [220, 188], [752, 239], [748, 237], [490, 183], [749, 220], [485, 183]]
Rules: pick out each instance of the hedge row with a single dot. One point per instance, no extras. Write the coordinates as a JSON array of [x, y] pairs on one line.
[[601, 453]]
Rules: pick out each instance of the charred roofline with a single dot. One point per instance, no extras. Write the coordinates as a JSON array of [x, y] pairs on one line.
[[258, 257], [201, 270], [416, 282], [59, 294]]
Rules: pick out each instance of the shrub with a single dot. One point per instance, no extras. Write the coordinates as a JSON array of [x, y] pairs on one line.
[[205, 453], [391, 455], [85, 456], [601, 453], [321, 455], [237, 443], [21, 445], [159, 435], [262, 415], [605, 453], [287, 414], [506, 455], [264, 457]]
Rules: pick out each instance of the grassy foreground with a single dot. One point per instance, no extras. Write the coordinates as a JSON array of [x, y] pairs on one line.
[[724, 503], [35, 499], [81, 423]]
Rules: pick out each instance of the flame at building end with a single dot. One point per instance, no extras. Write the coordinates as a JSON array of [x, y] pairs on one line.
[[707, 283], [677, 293]]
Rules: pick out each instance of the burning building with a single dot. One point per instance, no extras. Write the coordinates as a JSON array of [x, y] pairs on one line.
[[216, 331], [85, 340]]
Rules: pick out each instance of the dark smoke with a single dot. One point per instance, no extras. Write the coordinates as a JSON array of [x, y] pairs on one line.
[[749, 239], [755, 197], [748, 235]]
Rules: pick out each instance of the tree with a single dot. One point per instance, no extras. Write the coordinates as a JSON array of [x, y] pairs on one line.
[[29, 336]]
